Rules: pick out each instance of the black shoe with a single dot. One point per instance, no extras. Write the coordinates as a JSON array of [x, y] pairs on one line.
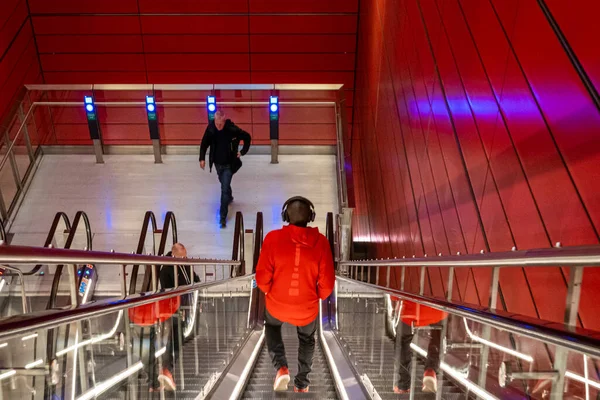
[[223, 224]]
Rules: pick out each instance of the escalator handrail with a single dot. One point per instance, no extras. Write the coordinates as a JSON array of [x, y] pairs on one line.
[[57, 275], [572, 338], [30, 255], [329, 233], [577, 256], [239, 248], [51, 233], [149, 218], [18, 325], [169, 224], [258, 240]]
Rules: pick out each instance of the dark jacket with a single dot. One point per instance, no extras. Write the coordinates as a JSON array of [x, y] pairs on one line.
[[167, 277], [233, 135]]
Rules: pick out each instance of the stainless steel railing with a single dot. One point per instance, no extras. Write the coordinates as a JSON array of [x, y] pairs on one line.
[[577, 258]]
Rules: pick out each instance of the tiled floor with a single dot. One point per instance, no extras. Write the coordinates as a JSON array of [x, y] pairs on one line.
[[115, 195]]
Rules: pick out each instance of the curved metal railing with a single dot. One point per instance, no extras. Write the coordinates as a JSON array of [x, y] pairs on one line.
[[149, 221]]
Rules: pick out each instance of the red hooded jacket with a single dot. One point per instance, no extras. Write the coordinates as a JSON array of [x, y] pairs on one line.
[[418, 314], [295, 270]]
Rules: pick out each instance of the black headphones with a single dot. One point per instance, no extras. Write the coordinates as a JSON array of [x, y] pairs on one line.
[[284, 214]]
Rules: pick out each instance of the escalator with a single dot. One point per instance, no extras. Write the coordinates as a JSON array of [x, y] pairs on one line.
[[222, 354]]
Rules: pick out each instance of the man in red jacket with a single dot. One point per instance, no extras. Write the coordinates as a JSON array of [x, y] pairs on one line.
[[295, 271]]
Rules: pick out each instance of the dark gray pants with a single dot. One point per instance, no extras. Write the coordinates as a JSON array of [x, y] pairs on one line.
[[306, 347]]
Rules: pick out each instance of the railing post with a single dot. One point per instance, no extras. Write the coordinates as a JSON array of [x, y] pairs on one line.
[[388, 276], [487, 331], [26, 133], [561, 354]]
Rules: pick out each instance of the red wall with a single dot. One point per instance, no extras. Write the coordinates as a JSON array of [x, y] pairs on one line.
[[18, 58], [232, 41], [474, 130]]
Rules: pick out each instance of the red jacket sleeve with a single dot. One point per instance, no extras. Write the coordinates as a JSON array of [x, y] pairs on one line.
[[326, 281], [265, 266]]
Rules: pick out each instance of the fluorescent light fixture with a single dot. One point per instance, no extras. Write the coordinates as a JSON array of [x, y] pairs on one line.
[[34, 364], [3, 345], [459, 377], [506, 350], [7, 374], [160, 352], [104, 386], [28, 337], [94, 340]]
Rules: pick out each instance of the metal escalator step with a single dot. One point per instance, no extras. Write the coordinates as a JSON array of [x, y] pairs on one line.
[[260, 384]]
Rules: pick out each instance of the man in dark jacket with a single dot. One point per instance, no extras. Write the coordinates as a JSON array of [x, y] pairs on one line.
[[224, 137], [183, 318]]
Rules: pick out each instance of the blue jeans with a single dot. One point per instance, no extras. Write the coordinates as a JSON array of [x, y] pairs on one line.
[[225, 175]]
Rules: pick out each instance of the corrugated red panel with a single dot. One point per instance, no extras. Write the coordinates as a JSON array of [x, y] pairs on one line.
[[297, 114], [8, 7], [195, 24], [90, 44], [196, 44], [86, 25], [175, 115], [125, 134], [344, 78], [303, 6], [302, 62], [197, 62], [14, 53], [92, 62], [303, 24], [83, 7], [181, 133], [122, 115], [72, 134], [191, 7], [94, 77], [303, 43], [12, 26], [198, 77]]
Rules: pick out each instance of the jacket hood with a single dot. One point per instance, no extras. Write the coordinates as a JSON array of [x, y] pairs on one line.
[[305, 236]]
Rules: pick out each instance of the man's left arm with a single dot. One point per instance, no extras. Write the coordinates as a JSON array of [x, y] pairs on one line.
[[244, 137]]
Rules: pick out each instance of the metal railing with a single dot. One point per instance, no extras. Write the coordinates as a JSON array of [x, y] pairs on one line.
[[567, 337]]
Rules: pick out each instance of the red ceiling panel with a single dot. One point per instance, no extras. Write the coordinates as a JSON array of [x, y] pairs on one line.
[[302, 62], [89, 44], [196, 44], [83, 7], [191, 7], [85, 25], [92, 62], [303, 6], [197, 24], [275, 24], [303, 43], [197, 62], [14, 53]]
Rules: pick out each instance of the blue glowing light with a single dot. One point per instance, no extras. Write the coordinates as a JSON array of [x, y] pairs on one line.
[[149, 99], [89, 108], [88, 99], [212, 107], [274, 100], [211, 100], [151, 107], [274, 108]]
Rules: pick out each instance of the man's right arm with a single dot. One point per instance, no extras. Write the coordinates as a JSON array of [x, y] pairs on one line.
[[265, 267], [206, 141]]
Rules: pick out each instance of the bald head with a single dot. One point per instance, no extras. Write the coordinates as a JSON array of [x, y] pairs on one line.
[[220, 119], [299, 213], [179, 251]]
